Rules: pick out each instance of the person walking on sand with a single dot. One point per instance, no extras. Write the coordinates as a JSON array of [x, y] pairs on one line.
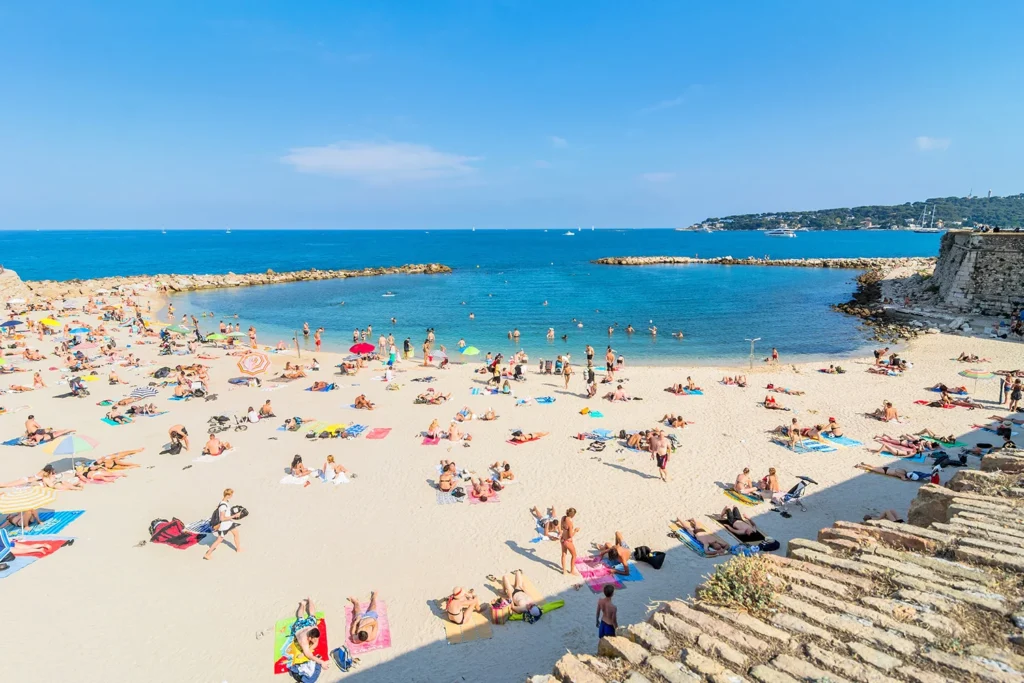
[[566, 373], [566, 537], [225, 523], [252, 336], [659, 446], [607, 613]]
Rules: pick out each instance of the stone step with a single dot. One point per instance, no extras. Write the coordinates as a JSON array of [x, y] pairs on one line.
[[824, 572], [970, 667], [925, 599], [898, 538], [988, 526], [839, 564], [849, 626], [990, 558], [841, 544], [935, 564], [854, 670], [905, 611], [804, 671], [799, 626], [875, 617], [990, 602], [569, 669], [766, 674], [963, 530], [783, 575], [918, 676], [706, 667], [938, 537], [674, 626], [805, 544], [672, 672], [622, 648], [878, 659], [744, 620], [919, 572], [1011, 520], [990, 545], [720, 628], [648, 636], [727, 653]]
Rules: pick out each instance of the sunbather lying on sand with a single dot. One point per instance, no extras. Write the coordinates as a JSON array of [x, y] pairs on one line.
[[889, 515], [737, 522], [431, 397], [112, 378], [363, 403], [784, 390], [298, 469], [971, 358], [670, 420], [738, 380], [548, 522], [949, 438], [459, 603], [364, 627], [482, 488], [897, 472], [143, 409], [711, 544], [114, 415], [118, 460], [292, 424], [771, 404], [319, 386], [515, 592], [293, 371], [617, 553], [19, 388], [95, 473], [948, 390], [303, 663], [527, 436], [49, 479]]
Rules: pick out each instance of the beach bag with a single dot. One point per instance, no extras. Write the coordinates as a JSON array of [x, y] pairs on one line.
[[769, 545], [174, 448], [501, 609], [343, 658], [458, 492]]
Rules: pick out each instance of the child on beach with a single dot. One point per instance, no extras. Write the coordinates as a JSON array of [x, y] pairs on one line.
[[607, 614]]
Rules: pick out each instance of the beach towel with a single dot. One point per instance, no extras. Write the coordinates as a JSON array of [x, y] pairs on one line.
[[546, 607], [843, 440], [427, 441], [531, 590], [115, 423], [16, 565], [283, 638], [951, 393], [602, 434], [947, 444], [329, 387], [692, 392], [806, 446], [745, 539], [912, 457], [992, 428], [16, 441], [378, 433], [742, 498], [475, 391], [383, 639], [162, 412], [544, 399], [105, 403], [596, 574], [200, 527], [52, 523], [634, 573], [519, 443], [27, 552], [356, 430], [339, 478], [596, 413], [295, 481], [179, 398], [446, 498], [214, 458], [928, 403], [475, 500], [475, 626]]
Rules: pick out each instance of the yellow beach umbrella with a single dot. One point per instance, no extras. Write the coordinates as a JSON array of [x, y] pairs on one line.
[[27, 498], [49, 322]]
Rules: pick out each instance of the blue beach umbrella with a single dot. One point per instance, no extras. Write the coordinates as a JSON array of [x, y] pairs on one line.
[[11, 323], [80, 330]]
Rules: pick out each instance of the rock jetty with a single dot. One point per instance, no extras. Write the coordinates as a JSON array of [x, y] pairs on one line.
[[847, 263], [188, 283], [935, 600]]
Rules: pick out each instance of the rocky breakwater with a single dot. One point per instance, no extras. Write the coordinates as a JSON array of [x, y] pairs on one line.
[[188, 283], [886, 264]]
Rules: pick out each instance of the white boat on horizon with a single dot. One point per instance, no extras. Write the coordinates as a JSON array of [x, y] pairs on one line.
[[780, 232], [569, 233]]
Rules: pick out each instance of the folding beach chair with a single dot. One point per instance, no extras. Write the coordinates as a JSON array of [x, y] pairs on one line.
[[794, 495]]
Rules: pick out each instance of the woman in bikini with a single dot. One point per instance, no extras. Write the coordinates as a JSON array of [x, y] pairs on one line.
[[298, 469], [459, 603], [566, 539], [446, 482]]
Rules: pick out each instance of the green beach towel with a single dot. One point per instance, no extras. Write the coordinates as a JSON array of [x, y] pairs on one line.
[[544, 609]]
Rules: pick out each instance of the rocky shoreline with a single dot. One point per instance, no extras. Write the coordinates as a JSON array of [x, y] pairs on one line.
[[188, 283], [846, 263]]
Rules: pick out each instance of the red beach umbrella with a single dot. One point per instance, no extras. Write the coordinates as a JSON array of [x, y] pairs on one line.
[[362, 348]]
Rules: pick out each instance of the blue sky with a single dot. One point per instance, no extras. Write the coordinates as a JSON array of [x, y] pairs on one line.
[[497, 114]]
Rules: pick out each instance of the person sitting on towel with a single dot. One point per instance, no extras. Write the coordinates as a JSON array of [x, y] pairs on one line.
[[266, 410], [743, 483], [446, 482], [303, 664], [114, 415], [318, 386], [333, 470], [459, 603], [215, 446], [364, 627], [617, 553], [363, 403], [298, 469]]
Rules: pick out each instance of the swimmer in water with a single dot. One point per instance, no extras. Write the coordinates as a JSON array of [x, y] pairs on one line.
[[544, 304]]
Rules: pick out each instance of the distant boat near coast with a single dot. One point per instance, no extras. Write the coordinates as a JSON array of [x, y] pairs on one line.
[[780, 232]]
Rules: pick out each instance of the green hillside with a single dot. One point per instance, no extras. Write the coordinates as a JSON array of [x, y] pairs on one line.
[[953, 212]]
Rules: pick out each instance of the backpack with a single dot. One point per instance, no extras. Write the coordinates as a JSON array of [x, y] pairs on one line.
[[162, 372], [215, 518], [655, 558], [343, 658]]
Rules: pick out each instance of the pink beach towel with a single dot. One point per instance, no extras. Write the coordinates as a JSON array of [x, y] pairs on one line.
[[475, 500], [519, 443], [383, 639], [596, 573], [378, 432], [427, 441]]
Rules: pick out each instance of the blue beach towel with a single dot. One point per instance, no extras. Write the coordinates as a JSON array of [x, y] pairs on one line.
[[634, 573], [17, 564], [356, 430], [114, 423], [179, 398], [474, 391], [545, 399], [843, 440], [16, 441], [53, 523], [595, 413], [603, 434], [692, 392]]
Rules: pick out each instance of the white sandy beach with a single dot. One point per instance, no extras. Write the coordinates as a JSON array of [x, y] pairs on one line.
[[106, 610]]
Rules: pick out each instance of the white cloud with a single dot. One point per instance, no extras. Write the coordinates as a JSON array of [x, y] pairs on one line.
[[664, 104], [928, 144], [540, 163], [385, 162], [658, 176], [559, 143]]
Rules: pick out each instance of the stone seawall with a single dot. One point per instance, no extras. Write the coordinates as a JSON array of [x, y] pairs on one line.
[[981, 273], [847, 263], [187, 283]]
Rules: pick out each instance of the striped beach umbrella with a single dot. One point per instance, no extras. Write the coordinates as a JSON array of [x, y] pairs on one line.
[[254, 363], [26, 498], [976, 374], [143, 392], [72, 444]]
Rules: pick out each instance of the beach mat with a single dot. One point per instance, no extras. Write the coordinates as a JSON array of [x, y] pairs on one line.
[[475, 627], [474, 500], [283, 637], [383, 639], [687, 539], [756, 537], [947, 444], [114, 423], [634, 573], [519, 443], [806, 446], [596, 574], [742, 498], [446, 498], [427, 441], [53, 523], [843, 441], [378, 433], [17, 564]]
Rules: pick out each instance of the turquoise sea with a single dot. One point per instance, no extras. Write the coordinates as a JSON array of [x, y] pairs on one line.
[[503, 278]]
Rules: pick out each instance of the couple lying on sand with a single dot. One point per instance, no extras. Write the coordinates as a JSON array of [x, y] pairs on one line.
[[432, 397], [460, 602], [731, 518], [466, 415], [681, 389]]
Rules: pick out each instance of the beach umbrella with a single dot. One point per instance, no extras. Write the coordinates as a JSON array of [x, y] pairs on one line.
[[362, 348], [72, 444], [84, 347], [143, 392], [15, 300], [438, 354], [178, 329], [2, 360], [49, 322], [975, 374], [470, 351], [254, 363], [26, 498], [216, 336], [11, 323], [235, 334], [80, 330]]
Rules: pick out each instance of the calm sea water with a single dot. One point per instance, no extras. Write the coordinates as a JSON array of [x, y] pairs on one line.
[[504, 278]]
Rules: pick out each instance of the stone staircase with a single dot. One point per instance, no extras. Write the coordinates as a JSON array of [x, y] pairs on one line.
[[872, 602]]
